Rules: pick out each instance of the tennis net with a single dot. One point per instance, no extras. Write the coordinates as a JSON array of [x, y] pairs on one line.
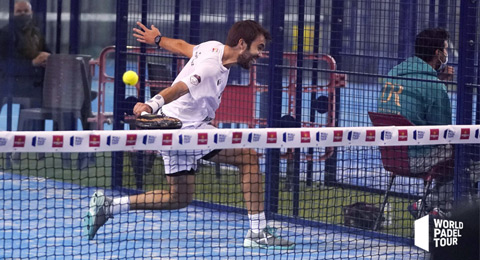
[[48, 180]]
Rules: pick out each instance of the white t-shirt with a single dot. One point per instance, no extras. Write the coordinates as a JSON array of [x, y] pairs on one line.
[[206, 79]]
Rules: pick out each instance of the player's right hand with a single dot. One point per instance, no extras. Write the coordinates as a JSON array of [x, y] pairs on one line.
[[146, 35], [141, 107]]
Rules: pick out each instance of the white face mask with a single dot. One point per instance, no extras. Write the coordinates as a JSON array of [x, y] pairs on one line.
[[443, 65]]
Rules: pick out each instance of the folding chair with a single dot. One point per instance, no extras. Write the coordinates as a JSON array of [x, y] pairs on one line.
[[395, 160]]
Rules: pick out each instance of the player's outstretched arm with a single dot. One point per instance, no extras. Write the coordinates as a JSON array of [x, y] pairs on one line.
[[176, 46], [167, 95]]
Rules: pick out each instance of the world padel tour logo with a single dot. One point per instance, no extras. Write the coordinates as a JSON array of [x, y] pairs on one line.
[[321, 136], [253, 137], [353, 135], [38, 141], [57, 141], [219, 138], [445, 233], [288, 137], [3, 141], [19, 141]]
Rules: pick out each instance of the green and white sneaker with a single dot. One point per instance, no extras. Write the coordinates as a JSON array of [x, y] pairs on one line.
[[267, 239], [98, 214]]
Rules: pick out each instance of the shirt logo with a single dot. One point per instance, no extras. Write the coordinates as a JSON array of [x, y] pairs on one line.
[[131, 139], [370, 137], [237, 137], [402, 135], [19, 141], [167, 139], [434, 134], [465, 133], [337, 135], [271, 137], [305, 137], [202, 139], [195, 79], [57, 141], [94, 141]]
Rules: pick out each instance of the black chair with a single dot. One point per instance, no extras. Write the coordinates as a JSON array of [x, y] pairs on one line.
[[66, 92]]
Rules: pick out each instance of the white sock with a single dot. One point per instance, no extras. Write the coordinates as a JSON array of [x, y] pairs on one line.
[[257, 222], [120, 205]]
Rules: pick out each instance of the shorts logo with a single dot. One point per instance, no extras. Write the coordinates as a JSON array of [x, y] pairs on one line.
[[305, 137], [19, 141], [195, 79], [271, 137], [167, 139], [202, 139], [370, 136], [131, 139], [57, 141], [337, 135], [402, 135], [237, 137], [94, 141], [434, 134], [465, 133]]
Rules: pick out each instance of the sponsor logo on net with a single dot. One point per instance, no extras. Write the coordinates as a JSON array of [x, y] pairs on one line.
[[445, 232]]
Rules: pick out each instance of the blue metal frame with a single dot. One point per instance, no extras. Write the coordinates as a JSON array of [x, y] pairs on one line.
[[119, 87], [336, 46], [143, 58], [466, 79], [408, 27], [74, 27], [275, 109]]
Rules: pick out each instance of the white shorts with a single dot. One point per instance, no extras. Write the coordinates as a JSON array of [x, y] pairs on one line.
[[178, 161]]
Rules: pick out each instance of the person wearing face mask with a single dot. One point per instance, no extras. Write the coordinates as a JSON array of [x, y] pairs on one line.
[[415, 88], [30, 54]]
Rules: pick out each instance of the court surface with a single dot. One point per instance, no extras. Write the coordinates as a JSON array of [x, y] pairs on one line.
[[41, 219]]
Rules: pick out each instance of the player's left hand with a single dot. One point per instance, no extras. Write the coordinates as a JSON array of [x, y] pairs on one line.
[[146, 35], [446, 74]]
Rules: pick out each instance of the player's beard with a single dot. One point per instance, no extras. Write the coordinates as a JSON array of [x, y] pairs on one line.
[[246, 59]]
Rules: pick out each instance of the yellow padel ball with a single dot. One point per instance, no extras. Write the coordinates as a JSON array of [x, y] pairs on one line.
[[130, 78]]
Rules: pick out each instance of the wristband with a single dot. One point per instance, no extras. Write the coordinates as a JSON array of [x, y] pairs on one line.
[[156, 103]]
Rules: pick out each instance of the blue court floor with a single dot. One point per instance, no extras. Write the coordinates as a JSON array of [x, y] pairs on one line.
[[41, 219]]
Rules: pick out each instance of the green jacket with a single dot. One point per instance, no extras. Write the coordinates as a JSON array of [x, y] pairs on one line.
[[422, 102]]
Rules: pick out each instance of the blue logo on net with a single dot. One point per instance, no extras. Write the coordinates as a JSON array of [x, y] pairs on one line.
[[219, 138], [38, 141], [76, 141], [253, 137]]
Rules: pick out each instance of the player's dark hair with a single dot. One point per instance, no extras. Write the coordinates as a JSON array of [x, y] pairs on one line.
[[430, 40], [247, 30]]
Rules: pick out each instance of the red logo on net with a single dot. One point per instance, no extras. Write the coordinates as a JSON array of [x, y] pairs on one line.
[[271, 137], [167, 139], [370, 136], [19, 141], [94, 141], [434, 134], [402, 135], [237, 137], [202, 138], [337, 135], [57, 141], [465, 133], [131, 139], [305, 137]]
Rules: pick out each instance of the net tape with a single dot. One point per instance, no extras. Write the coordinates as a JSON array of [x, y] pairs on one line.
[[121, 140]]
